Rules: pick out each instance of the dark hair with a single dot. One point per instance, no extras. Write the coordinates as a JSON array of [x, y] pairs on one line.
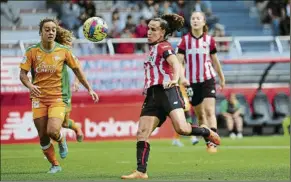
[[205, 27], [43, 21], [170, 23]]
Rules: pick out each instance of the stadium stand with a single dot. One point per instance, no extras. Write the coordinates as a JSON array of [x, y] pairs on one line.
[[251, 49]]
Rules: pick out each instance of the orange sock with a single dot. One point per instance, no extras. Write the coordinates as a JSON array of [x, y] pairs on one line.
[[51, 155], [176, 135]]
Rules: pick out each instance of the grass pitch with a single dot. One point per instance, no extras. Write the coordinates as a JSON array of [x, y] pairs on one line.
[[252, 158]]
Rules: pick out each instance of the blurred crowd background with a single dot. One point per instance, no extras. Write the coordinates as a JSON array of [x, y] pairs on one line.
[[127, 19]]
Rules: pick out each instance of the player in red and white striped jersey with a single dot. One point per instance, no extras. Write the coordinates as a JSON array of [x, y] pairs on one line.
[[197, 52], [163, 96]]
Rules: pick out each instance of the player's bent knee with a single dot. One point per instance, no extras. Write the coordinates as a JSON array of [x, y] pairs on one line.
[[143, 134], [182, 130], [53, 132]]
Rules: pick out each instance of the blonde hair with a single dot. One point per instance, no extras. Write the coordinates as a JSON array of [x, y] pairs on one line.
[[64, 36]]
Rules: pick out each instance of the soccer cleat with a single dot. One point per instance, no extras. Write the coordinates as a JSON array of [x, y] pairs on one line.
[[177, 143], [63, 148], [194, 140], [135, 175], [55, 169], [239, 136], [211, 147], [213, 137], [79, 135], [232, 136]]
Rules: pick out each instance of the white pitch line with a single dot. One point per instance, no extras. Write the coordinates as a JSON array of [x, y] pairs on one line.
[[247, 147], [255, 147]]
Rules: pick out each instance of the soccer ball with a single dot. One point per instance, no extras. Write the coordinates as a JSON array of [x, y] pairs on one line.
[[95, 29]]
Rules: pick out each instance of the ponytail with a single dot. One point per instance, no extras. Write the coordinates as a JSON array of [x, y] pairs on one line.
[[170, 23]]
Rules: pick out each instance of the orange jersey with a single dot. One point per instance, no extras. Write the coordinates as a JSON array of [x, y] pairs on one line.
[[49, 70]]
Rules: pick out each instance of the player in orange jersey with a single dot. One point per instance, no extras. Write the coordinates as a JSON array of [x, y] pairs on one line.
[[50, 89], [65, 37]]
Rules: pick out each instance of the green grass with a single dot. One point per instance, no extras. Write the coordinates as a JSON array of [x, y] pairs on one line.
[[252, 158]]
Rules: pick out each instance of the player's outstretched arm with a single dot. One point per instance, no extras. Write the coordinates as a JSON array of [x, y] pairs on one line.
[[81, 77]]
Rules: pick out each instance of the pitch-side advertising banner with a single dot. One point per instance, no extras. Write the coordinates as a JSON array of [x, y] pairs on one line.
[[98, 122]]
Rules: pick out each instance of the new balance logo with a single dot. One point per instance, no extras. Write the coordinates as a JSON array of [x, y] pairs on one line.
[[19, 128]]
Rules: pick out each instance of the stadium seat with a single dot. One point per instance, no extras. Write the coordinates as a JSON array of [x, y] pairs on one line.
[[248, 117], [281, 105], [281, 109], [262, 107]]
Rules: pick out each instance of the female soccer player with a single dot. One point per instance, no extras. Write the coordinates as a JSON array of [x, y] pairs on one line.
[[199, 52], [65, 37], [50, 88], [163, 97]]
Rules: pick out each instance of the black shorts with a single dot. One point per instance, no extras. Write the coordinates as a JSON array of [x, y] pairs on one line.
[[160, 102], [202, 90]]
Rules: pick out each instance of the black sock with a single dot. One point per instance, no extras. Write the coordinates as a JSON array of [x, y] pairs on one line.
[[214, 129], [200, 131], [142, 155]]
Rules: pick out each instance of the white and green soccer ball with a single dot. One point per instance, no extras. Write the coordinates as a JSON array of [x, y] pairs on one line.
[[95, 29]]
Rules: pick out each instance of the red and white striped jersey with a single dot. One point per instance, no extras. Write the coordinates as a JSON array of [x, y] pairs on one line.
[[157, 69], [197, 55]]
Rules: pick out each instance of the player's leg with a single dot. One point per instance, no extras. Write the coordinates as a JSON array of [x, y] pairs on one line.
[[209, 109], [70, 124], [230, 125], [174, 104], [56, 116], [239, 126], [183, 128], [192, 121], [146, 126], [40, 119], [208, 91], [201, 116]]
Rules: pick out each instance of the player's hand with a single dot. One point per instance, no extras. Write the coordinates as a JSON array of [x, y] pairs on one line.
[[171, 83], [222, 84], [34, 90], [184, 82], [94, 96], [76, 86]]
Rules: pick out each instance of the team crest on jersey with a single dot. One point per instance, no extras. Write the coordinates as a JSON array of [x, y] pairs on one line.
[[38, 58], [205, 44], [57, 58], [24, 59]]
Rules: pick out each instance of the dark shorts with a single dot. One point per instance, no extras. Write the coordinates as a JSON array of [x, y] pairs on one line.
[[201, 90], [160, 102]]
